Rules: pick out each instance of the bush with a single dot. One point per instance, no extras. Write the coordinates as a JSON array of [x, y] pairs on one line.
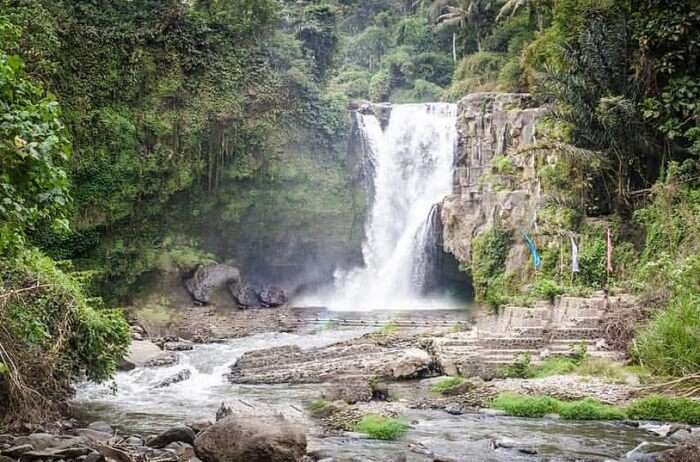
[[51, 334], [446, 385], [525, 406], [670, 343], [489, 252], [548, 289], [381, 428], [380, 86], [666, 409]]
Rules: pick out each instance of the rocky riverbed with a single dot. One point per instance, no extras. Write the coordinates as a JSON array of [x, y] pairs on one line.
[[386, 367]]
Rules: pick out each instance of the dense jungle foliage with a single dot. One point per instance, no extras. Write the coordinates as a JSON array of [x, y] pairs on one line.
[[142, 137]]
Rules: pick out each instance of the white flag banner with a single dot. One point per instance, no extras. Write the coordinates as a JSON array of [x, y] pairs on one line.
[[574, 256]]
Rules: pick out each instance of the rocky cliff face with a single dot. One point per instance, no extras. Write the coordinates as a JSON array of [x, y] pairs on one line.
[[493, 184]]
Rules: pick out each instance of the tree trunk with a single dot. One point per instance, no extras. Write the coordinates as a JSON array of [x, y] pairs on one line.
[[454, 47]]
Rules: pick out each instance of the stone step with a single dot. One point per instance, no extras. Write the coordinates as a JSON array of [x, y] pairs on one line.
[[576, 333], [511, 342]]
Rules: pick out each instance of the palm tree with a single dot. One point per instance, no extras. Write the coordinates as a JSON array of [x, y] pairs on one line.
[[536, 7], [475, 13]]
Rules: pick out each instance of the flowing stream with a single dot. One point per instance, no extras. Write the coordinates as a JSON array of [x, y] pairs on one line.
[[410, 163], [136, 405]]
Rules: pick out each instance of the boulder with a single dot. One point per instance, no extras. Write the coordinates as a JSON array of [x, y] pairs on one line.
[[93, 436], [206, 279], [244, 295], [172, 435], [181, 376], [251, 439], [412, 363], [143, 353], [273, 297]]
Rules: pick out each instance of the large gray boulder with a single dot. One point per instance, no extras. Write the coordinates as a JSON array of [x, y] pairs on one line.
[[206, 279], [273, 297], [251, 439], [244, 295]]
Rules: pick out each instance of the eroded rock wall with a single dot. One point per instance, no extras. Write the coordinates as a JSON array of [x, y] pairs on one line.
[[493, 125]]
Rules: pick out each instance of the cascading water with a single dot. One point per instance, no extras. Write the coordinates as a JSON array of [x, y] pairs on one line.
[[411, 166]]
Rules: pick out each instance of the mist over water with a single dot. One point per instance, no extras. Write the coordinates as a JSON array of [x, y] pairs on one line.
[[411, 163]]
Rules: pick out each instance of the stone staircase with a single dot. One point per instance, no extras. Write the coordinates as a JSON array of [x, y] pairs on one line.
[[540, 331]]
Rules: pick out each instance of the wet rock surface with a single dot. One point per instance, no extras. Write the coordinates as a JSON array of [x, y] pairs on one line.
[[363, 357], [257, 439], [207, 279]]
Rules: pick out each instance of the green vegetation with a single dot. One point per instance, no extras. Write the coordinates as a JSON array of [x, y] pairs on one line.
[[525, 406], [447, 385], [489, 252], [381, 428], [666, 409], [51, 333], [389, 329], [659, 408]]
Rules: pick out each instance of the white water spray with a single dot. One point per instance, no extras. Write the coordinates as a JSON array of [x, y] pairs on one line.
[[411, 161]]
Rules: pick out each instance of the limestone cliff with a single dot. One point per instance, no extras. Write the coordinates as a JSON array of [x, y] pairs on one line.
[[492, 184]]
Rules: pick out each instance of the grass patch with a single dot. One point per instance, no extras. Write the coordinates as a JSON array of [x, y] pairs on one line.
[[525, 406], [589, 409], [666, 409], [661, 408], [539, 406], [381, 428], [557, 365], [317, 406], [446, 385], [389, 329], [604, 369]]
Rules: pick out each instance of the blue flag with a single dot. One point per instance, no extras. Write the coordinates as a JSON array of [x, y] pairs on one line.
[[536, 260]]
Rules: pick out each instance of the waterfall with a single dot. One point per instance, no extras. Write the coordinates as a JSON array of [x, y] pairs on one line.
[[410, 162]]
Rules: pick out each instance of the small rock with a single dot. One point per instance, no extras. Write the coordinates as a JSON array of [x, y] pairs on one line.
[[181, 376], [223, 412], [178, 346], [100, 426], [17, 451], [380, 391], [454, 409], [134, 441], [176, 434]]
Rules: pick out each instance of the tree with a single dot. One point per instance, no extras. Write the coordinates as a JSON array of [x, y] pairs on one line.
[[34, 147], [474, 13]]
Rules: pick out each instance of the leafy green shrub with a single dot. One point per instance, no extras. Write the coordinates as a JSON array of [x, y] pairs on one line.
[[489, 252], [446, 385], [520, 369], [548, 289], [380, 86], [525, 406], [589, 409], [666, 409], [51, 334], [670, 343], [381, 428]]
